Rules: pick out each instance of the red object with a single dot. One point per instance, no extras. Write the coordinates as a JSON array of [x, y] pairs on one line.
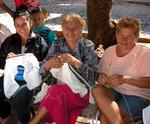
[[63, 105], [28, 3]]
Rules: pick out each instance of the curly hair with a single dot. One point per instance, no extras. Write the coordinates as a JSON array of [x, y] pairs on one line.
[[73, 17], [129, 22]]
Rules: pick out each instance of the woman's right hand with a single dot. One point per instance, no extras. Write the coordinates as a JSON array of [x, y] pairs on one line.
[[53, 62], [10, 55], [102, 79]]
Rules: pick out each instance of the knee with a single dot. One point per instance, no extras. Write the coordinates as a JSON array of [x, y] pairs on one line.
[[100, 93], [104, 119], [97, 90], [5, 109], [55, 90]]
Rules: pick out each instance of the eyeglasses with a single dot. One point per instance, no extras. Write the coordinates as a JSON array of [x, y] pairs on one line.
[[71, 28], [126, 38]]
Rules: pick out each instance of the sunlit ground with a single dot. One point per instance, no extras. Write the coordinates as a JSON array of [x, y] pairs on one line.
[[60, 7], [137, 8]]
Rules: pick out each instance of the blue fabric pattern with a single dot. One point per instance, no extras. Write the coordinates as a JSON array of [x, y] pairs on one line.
[[19, 75]]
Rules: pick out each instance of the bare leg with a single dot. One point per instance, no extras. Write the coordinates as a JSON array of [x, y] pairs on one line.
[[107, 105], [40, 116], [1, 120], [104, 119], [126, 117]]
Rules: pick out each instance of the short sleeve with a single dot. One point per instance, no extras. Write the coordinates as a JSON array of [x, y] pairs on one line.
[[52, 36], [105, 61], [145, 63]]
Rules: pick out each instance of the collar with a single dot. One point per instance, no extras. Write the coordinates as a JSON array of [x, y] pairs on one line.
[[32, 35], [38, 28]]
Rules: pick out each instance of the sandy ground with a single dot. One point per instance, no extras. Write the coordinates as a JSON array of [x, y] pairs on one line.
[[137, 8]]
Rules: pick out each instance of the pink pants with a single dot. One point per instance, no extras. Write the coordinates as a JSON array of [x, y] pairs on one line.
[[63, 105]]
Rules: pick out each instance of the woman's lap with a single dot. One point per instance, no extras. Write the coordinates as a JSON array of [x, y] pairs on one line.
[[58, 90], [61, 97], [130, 104], [21, 101]]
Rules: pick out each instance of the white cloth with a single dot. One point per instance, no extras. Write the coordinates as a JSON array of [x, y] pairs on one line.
[[4, 33], [42, 93], [1, 72], [135, 63], [146, 115], [65, 75], [31, 73]]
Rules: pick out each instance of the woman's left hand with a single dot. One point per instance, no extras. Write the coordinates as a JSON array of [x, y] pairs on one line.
[[115, 80], [68, 58]]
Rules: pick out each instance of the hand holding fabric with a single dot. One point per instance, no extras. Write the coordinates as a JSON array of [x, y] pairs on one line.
[[102, 79], [68, 58], [10, 55], [116, 80], [53, 62]]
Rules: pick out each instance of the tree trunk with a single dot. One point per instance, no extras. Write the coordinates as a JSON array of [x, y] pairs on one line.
[[101, 30]]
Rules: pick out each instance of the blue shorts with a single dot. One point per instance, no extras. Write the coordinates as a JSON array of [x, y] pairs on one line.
[[130, 104]]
